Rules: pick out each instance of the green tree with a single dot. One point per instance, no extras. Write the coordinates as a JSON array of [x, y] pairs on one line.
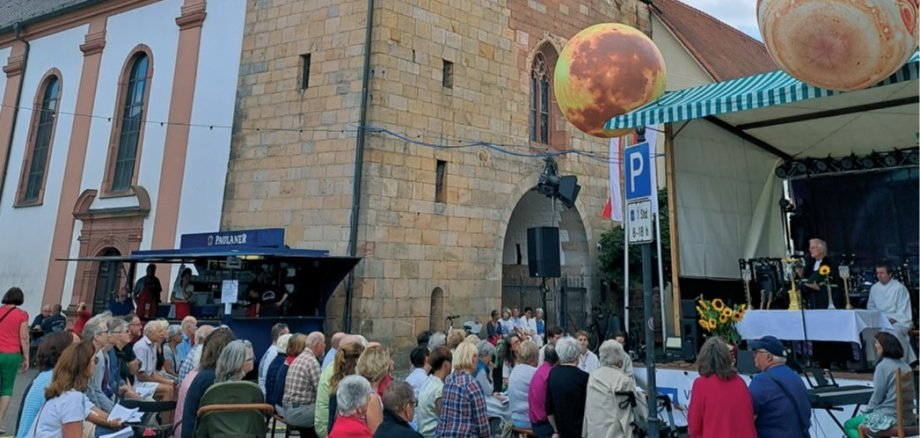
[[610, 256]]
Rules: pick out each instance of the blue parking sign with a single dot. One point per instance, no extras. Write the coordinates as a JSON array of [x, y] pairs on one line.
[[637, 169]]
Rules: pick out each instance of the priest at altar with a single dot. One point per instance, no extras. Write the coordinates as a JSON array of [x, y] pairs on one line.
[[890, 297]]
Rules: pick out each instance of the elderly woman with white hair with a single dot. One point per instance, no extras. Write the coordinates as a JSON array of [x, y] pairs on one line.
[[565, 391], [171, 357], [604, 416], [519, 384], [483, 373], [235, 361], [352, 399]]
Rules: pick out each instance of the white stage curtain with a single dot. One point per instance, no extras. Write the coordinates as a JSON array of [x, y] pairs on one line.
[[727, 201]]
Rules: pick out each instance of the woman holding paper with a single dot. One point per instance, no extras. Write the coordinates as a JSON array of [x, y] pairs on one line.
[[67, 410]]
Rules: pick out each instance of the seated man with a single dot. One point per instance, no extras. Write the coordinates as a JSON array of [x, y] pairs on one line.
[[781, 406], [890, 297], [57, 322], [146, 352]]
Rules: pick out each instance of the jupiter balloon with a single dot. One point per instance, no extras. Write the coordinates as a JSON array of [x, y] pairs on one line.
[[839, 44], [604, 71]]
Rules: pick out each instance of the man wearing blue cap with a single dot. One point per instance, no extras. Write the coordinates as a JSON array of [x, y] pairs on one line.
[[781, 406]]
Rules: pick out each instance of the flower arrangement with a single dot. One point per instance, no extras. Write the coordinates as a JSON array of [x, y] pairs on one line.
[[718, 318]]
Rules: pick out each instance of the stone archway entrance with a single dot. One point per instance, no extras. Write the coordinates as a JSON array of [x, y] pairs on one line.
[[518, 289], [105, 231]]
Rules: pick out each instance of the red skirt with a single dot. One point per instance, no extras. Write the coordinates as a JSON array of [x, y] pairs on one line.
[[146, 307], [183, 310]]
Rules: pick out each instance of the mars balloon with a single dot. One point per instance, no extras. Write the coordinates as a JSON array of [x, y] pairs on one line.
[[605, 71], [839, 44]]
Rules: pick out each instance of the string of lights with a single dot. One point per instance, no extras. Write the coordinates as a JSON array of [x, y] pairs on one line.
[[502, 148]]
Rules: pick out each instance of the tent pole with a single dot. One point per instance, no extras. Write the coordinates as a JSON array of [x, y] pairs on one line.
[[625, 239], [672, 223]]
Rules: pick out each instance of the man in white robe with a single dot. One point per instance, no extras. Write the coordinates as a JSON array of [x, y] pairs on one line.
[[891, 298]]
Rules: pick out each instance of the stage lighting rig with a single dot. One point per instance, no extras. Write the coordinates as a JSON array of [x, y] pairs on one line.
[[565, 188]]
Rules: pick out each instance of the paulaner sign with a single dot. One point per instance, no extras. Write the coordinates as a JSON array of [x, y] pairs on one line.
[[263, 238]]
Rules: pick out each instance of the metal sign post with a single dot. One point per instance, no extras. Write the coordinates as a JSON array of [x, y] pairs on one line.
[[639, 229]]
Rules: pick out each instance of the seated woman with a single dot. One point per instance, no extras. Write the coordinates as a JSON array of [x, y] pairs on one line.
[[119, 371], [721, 405], [519, 384], [49, 351], [604, 415], [429, 398], [201, 381], [483, 373], [881, 412], [373, 365], [272, 385], [352, 399], [235, 361], [66, 407], [346, 359], [170, 356], [463, 407]]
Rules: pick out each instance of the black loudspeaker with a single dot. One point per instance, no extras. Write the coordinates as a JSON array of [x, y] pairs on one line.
[[543, 252], [568, 190], [688, 309], [689, 339]]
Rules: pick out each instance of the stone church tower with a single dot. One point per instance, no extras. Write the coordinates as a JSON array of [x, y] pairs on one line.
[[441, 224]]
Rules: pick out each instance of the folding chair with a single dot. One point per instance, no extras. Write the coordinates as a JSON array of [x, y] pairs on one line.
[[233, 409]]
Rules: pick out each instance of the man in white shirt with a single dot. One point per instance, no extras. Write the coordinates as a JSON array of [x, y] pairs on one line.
[[891, 298], [419, 359], [587, 360], [553, 334], [272, 352], [329, 358], [146, 351]]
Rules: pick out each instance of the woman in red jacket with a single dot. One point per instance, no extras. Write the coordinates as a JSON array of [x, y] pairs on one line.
[[720, 404]]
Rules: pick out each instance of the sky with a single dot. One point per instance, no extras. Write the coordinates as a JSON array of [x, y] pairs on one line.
[[739, 14]]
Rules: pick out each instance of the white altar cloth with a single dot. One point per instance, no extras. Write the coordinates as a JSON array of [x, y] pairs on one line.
[[821, 325]]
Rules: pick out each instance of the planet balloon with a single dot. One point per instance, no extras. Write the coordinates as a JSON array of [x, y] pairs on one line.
[[839, 44], [605, 71]]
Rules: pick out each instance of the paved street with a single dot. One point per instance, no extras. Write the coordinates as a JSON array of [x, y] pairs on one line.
[[12, 415]]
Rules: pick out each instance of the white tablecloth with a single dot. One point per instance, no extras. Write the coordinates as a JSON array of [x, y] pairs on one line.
[[822, 325]]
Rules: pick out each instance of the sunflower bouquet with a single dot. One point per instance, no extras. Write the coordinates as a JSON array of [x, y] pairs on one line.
[[718, 318]]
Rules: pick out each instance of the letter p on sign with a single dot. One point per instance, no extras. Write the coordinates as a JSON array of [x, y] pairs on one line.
[[638, 177]]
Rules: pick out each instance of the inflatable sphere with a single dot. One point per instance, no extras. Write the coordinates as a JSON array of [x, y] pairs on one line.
[[605, 71], [839, 44]]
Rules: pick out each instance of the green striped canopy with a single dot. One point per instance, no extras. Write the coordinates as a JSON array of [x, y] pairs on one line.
[[742, 94]]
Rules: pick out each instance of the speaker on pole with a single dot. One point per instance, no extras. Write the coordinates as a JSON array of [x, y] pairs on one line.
[[543, 252]]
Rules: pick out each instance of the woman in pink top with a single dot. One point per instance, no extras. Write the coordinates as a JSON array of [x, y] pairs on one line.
[[536, 395], [720, 404], [14, 345]]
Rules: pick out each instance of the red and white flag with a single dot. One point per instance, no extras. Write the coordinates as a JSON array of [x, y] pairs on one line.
[[614, 208]]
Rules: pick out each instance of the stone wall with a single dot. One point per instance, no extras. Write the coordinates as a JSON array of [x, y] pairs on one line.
[[411, 244]]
